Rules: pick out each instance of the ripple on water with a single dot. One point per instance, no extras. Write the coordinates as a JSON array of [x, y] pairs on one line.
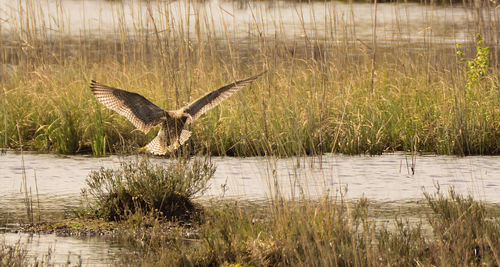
[[377, 177], [90, 251]]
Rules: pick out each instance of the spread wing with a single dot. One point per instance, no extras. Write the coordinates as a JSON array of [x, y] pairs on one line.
[[212, 99], [137, 109]]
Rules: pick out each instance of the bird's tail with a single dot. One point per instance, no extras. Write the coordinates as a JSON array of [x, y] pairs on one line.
[[158, 146]]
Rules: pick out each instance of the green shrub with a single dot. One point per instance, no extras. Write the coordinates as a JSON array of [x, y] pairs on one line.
[[476, 67]]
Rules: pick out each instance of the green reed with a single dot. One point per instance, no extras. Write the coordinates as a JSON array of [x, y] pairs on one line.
[[98, 143]]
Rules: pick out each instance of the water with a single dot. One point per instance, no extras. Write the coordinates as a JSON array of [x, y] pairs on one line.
[[87, 251], [289, 20], [59, 179]]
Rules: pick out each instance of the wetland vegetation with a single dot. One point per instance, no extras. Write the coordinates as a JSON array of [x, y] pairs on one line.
[[335, 233], [450, 230], [325, 91]]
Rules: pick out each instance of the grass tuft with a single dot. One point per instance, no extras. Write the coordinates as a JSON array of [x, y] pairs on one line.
[[145, 188]]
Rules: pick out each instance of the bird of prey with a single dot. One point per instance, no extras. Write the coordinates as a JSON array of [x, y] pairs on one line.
[[144, 115]]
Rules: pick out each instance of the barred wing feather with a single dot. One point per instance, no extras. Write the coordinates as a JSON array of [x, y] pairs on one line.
[[138, 110], [212, 99]]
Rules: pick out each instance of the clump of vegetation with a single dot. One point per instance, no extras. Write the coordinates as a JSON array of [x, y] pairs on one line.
[[146, 188], [336, 233], [477, 66]]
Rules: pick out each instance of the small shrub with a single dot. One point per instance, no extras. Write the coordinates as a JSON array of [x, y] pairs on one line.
[[140, 186], [476, 67]]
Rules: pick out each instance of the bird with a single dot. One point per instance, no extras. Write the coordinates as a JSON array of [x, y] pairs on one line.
[[145, 115]]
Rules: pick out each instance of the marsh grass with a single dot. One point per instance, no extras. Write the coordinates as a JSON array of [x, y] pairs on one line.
[[322, 93], [141, 187], [329, 232], [98, 139]]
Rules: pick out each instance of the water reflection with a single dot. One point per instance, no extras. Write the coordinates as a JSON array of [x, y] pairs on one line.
[[67, 251]]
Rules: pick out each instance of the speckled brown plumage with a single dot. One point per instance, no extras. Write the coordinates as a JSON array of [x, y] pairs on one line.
[[144, 115]]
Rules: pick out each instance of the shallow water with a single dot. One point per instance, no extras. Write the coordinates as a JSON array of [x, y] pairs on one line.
[[60, 179], [87, 251]]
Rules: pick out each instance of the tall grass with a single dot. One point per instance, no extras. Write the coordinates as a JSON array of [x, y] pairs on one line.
[[327, 92], [332, 232]]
